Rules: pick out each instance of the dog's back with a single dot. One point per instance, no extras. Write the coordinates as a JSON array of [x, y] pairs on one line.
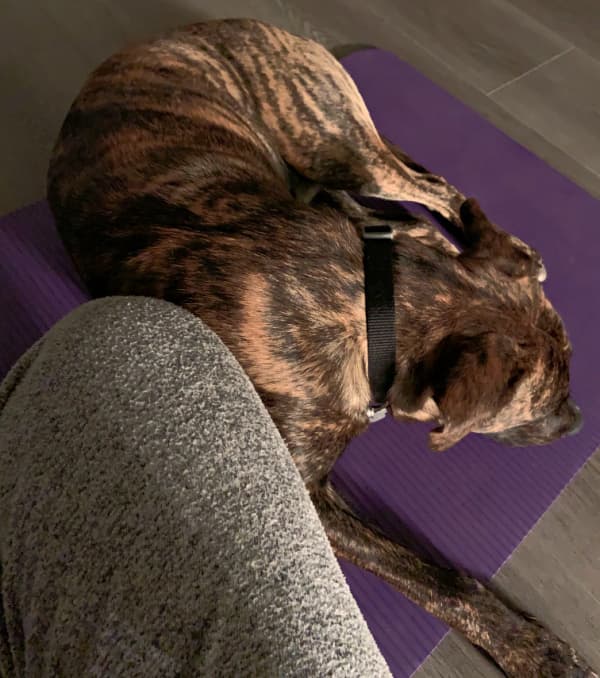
[[166, 182]]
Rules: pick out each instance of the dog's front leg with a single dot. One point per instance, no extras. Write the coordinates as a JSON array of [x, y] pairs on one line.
[[521, 647]]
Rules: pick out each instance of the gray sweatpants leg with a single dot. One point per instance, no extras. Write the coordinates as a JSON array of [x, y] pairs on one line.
[[152, 522]]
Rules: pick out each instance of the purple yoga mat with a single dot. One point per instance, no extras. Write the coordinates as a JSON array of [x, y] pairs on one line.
[[38, 285], [473, 504]]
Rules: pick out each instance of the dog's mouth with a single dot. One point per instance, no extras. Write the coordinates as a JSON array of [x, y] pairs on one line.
[[566, 421]]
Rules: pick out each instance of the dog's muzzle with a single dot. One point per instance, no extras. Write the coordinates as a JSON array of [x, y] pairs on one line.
[[567, 420]]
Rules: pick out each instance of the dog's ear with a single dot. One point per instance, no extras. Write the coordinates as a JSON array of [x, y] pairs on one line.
[[471, 378], [488, 245]]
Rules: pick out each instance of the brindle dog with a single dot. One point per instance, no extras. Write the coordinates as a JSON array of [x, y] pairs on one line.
[[212, 167]]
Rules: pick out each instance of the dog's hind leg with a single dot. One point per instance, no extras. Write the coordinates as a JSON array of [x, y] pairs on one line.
[[390, 168], [322, 128], [518, 645], [375, 168]]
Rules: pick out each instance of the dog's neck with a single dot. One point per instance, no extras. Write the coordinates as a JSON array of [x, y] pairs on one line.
[[448, 299], [303, 339]]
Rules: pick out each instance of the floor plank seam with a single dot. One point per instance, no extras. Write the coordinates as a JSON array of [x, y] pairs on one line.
[[550, 60]]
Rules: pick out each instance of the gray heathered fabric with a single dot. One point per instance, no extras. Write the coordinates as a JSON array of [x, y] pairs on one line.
[[152, 522]]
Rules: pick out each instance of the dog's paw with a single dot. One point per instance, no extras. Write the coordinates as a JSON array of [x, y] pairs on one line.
[[486, 244], [532, 256], [540, 654]]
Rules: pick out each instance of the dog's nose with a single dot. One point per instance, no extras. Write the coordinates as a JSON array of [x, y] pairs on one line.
[[577, 419]]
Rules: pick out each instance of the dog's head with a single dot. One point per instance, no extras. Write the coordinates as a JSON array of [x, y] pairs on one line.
[[502, 371]]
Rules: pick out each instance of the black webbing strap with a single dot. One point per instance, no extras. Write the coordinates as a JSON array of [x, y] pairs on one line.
[[379, 304]]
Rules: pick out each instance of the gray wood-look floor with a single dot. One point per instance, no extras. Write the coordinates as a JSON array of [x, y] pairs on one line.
[[532, 67]]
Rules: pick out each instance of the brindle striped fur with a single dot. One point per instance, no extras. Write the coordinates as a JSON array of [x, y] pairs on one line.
[[210, 167]]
